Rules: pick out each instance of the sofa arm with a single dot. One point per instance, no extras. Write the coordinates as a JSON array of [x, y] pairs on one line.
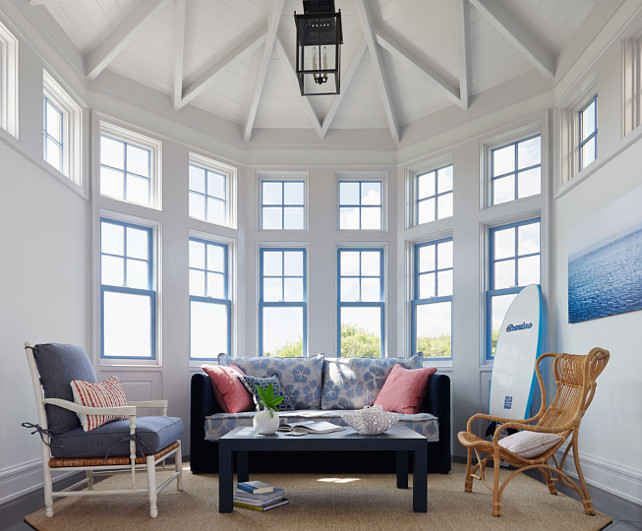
[[202, 403], [437, 402]]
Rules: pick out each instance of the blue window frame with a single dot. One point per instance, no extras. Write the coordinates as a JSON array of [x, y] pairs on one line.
[[433, 298], [360, 303], [53, 123], [434, 195], [360, 205], [516, 170], [207, 194], [125, 170], [515, 258], [588, 133], [128, 298], [283, 302], [282, 205], [209, 301]]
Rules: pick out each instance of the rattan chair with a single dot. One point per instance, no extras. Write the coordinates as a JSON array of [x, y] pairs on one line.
[[575, 378], [138, 444]]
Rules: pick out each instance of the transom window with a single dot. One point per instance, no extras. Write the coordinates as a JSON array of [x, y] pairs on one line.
[[210, 305], [434, 195], [588, 133], [283, 204], [283, 302], [433, 297], [212, 186], [53, 118], [516, 170], [514, 263], [128, 298], [9, 59], [360, 303], [360, 205]]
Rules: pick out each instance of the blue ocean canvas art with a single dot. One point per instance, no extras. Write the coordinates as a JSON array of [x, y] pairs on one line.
[[605, 273]]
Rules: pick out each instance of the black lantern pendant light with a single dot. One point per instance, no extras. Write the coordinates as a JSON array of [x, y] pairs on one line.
[[318, 48]]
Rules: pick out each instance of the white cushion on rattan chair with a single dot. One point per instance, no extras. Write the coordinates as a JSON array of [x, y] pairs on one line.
[[528, 444]]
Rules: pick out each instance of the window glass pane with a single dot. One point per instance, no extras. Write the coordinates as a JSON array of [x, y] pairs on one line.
[[137, 274], [349, 290], [54, 122], [112, 238], [528, 238], [196, 179], [294, 193], [138, 160], [127, 322], [528, 183], [137, 189], [215, 258], [426, 211], [272, 289], [272, 263], [370, 193], [196, 254], [427, 258], [370, 290], [350, 262], [215, 285], [588, 120], [529, 152], [360, 332], [528, 270], [293, 218], [54, 154], [370, 218], [272, 193], [504, 274], [445, 283], [370, 263], [445, 206], [426, 286], [197, 283], [196, 206], [498, 308], [112, 183], [445, 255], [503, 190], [208, 329], [137, 243], [272, 218], [112, 153], [112, 271], [349, 218], [588, 152], [293, 263], [348, 193], [216, 184], [282, 331], [445, 179], [426, 185], [503, 160], [434, 329], [504, 243], [293, 289], [216, 211]]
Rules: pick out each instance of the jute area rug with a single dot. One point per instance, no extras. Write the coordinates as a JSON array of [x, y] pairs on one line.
[[369, 501]]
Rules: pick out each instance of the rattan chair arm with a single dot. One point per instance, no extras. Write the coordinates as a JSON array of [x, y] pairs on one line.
[[528, 427], [499, 420], [130, 411]]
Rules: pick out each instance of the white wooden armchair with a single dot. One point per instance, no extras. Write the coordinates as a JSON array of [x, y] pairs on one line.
[[138, 444]]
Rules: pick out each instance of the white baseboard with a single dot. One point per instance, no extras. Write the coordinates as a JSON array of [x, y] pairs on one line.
[[23, 478]]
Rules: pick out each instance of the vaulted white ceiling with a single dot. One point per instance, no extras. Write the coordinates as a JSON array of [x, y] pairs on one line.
[[402, 60]]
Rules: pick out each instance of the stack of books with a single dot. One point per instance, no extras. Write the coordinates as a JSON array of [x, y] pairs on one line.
[[259, 496]]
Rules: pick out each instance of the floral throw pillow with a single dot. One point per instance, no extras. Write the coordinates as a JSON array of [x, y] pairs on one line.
[[251, 383]]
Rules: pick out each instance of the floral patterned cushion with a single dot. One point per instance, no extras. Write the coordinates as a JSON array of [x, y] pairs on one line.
[[252, 382], [299, 377], [353, 383]]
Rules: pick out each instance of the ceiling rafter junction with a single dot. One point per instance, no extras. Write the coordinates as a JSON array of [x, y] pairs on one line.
[[179, 52]]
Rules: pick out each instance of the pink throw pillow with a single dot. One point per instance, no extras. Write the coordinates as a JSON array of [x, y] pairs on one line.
[[230, 392], [404, 389]]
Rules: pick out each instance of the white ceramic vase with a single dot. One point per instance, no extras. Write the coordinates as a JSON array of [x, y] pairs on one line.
[[265, 424]]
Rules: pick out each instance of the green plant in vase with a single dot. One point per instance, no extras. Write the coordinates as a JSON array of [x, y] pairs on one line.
[[267, 400]]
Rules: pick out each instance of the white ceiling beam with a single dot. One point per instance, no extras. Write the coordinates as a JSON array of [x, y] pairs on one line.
[[289, 67], [179, 52], [252, 41], [390, 43], [345, 83], [120, 37], [463, 25], [43, 2], [518, 35], [382, 81], [273, 26]]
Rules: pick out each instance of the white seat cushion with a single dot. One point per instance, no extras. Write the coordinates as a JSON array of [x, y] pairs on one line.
[[529, 444]]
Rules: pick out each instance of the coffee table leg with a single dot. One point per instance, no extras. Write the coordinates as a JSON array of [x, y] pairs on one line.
[[242, 467], [225, 479], [402, 470], [420, 481]]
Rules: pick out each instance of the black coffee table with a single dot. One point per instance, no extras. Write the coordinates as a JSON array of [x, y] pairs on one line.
[[399, 439]]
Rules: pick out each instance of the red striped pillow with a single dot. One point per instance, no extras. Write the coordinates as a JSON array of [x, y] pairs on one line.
[[108, 393]]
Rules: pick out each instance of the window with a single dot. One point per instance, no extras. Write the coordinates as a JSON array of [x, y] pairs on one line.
[[8, 81], [129, 166], [61, 127], [360, 205], [588, 133], [283, 204], [209, 301], [514, 263], [631, 84], [516, 170], [434, 195], [210, 188], [433, 298], [360, 303], [127, 295], [283, 302]]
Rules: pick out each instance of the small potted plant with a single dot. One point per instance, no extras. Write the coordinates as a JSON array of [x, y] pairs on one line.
[[265, 421]]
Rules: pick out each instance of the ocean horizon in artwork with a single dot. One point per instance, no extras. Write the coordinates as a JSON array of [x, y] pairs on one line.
[[606, 279]]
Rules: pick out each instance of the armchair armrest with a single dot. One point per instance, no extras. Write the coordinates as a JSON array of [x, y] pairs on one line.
[[150, 403], [130, 411]]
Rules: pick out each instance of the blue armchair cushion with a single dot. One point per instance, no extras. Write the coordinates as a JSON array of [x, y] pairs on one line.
[[154, 433], [58, 365]]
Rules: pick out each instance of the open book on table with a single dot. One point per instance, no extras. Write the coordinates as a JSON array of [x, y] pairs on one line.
[[311, 426]]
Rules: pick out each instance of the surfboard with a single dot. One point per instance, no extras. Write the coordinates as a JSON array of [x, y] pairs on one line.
[[519, 343]]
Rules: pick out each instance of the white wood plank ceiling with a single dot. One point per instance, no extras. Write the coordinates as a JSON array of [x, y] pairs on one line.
[[402, 60]]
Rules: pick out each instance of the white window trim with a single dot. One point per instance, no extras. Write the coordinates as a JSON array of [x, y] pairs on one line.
[[363, 176], [283, 176], [9, 89], [71, 128], [155, 170], [631, 84], [231, 174], [410, 178]]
